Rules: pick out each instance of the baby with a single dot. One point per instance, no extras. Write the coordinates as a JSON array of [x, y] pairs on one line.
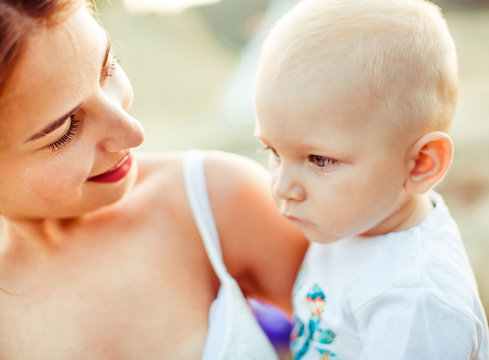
[[354, 100]]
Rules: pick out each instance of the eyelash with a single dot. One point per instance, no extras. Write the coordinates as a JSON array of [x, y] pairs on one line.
[[67, 136], [326, 162], [108, 71], [113, 64], [267, 148], [74, 124]]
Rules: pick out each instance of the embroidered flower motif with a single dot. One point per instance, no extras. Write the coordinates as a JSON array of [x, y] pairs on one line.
[[304, 337], [317, 301]]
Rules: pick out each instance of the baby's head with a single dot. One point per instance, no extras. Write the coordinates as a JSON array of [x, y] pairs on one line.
[[364, 92], [395, 57]]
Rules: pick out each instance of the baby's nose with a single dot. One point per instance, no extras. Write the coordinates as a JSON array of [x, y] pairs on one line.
[[287, 187]]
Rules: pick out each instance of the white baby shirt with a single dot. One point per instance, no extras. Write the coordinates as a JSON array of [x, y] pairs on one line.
[[406, 295]]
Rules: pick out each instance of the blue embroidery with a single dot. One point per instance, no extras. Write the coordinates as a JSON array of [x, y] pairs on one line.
[[312, 336], [299, 341]]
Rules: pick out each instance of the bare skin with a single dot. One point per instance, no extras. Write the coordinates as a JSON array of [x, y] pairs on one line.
[[128, 283], [115, 270]]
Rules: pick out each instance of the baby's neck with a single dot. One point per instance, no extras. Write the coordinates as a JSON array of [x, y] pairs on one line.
[[411, 212]]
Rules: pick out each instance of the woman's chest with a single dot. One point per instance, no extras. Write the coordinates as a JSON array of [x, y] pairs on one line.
[[136, 298], [114, 330]]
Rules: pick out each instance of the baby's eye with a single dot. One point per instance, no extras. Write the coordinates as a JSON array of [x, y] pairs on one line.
[[322, 161]]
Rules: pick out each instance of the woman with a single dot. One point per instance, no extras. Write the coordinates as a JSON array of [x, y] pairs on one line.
[[100, 256]]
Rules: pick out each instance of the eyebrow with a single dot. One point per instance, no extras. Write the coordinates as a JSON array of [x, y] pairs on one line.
[[56, 124]]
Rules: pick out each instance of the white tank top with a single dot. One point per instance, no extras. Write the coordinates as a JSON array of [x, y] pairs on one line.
[[233, 333]]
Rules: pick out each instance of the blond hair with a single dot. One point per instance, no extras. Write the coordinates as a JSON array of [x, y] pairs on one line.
[[398, 52]]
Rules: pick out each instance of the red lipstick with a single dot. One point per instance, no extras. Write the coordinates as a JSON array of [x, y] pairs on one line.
[[116, 173]]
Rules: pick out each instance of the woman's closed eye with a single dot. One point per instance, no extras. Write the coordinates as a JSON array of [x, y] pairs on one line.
[[106, 72], [67, 136], [323, 162]]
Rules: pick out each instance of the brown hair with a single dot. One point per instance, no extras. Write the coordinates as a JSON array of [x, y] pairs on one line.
[[18, 20]]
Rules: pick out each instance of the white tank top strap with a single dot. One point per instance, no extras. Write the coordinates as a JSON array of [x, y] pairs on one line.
[[234, 332], [196, 188]]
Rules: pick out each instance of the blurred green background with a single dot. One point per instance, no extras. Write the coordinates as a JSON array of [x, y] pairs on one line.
[[181, 66]]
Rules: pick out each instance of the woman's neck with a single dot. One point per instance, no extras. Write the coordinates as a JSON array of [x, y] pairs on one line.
[[32, 233]]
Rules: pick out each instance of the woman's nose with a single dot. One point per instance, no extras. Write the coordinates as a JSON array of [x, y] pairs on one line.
[[124, 132], [115, 129], [286, 186]]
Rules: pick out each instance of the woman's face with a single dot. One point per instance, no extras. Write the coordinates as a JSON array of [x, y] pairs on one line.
[[65, 135]]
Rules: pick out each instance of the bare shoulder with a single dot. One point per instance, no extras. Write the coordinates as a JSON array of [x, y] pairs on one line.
[[233, 174], [252, 231], [160, 170], [159, 191], [228, 176], [239, 192], [161, 203], [158, 164]]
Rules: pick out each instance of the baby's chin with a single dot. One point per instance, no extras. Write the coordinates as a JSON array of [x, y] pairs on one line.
[[319, 236]]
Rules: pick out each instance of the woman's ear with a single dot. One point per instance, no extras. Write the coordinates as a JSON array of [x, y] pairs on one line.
[[430, 157]]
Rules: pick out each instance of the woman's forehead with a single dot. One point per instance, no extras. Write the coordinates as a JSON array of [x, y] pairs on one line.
[[48, 48], [56, 68]]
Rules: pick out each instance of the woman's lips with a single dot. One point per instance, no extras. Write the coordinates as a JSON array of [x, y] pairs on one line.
[[119, 171]]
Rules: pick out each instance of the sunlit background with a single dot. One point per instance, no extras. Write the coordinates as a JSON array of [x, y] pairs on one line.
[[192, 73]]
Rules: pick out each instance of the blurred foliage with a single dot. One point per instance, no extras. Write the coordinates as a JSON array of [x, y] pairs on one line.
[[461, 3], [234, 21]]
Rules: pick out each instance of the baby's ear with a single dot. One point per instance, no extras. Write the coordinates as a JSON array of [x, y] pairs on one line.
[[430, 158]]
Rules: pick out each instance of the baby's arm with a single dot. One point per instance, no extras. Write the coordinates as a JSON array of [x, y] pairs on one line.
[[414, 324]]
